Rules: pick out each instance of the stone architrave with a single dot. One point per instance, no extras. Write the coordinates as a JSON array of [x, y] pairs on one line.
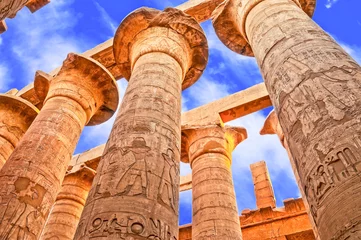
[[65, 214], [135, 193], [208, 149], [16, 116], [315, 87], [83, 93], [272, 126]]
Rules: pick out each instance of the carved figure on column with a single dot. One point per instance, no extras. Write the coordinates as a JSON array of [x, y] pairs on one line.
[[16, 116], [315, 87], [136, 190], [83, 92], [208, 149], [272, 126]]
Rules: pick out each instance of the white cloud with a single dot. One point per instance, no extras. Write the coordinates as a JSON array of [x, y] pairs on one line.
[[96, 135], [353, 50], [45, 38], [110, 23], [1, 41], [4, 78], [206, 90], [330, 3]]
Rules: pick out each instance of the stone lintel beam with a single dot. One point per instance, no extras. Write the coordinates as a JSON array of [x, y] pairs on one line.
[[262, 185], [35, 5], [229, 108], [201, 10], [3, 26]]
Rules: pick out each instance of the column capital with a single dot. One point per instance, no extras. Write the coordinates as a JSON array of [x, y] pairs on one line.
[[85, 81], [17, 114], [229, 20], [80, 176], [173, 32], [272, 126], [199, 140]]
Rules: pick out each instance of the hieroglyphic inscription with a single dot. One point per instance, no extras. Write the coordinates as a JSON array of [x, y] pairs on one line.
[[315, 88]]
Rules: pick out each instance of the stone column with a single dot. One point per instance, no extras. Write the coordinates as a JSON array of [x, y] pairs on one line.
[[209, 149], [16, 116], [262, 185], [66, 212], [272, 126], [83, 92], [315, 87], [135, 192]]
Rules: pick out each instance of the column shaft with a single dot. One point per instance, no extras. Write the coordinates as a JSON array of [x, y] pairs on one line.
[[6, 148], [215, 211], [82, 93], [33, 174], [316, 90], [135, 193], [66, 212], [136, 190]]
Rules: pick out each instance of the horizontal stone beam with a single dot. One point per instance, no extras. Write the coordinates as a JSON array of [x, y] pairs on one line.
[[103, 53], [229, 108]]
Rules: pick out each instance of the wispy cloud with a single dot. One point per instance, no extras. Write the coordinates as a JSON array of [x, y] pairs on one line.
[[109, 22], [330, 3], [5, 80], [45, 38]]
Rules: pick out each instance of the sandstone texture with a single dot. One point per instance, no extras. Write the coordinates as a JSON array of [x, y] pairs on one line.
[[209, 149], [82, 93], [16, 116], [135, 193], [315, 88]]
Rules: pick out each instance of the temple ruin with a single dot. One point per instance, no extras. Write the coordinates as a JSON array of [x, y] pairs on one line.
[[129, 187]]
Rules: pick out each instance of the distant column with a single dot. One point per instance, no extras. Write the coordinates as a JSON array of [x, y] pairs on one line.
[[135, 193], [315, 87], [16, 116], [262, 185], [209, 152], [66, 212], [83, 92]]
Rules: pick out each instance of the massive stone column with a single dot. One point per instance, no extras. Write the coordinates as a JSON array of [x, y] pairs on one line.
[[209, 149], [135, 192], [315, 87], [66, 212], [83, 92], [272, 126], [16, 116]]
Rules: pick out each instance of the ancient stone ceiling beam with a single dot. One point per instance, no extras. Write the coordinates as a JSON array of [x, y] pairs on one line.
[[103, 53], [229, 108]]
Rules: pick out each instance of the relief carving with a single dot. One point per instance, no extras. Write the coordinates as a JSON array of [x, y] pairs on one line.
[[338, 165]]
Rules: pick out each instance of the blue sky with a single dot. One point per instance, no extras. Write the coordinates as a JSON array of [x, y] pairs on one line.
[[41, 41]]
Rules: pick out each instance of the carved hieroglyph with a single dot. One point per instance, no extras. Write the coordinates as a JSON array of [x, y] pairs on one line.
[[16, 116], [82, 93], [315, 87], [135, 192], [208, 149], [66, 212], [272, 126]]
